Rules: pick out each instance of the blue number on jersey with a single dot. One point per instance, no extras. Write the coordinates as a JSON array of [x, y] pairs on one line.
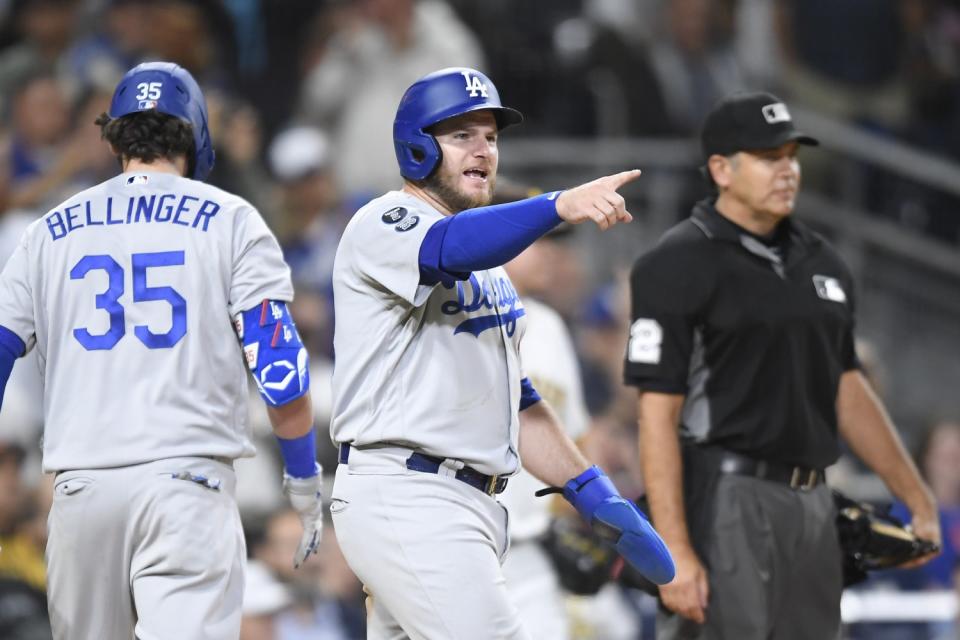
[[106, 301], [109, 300], [141, 292]]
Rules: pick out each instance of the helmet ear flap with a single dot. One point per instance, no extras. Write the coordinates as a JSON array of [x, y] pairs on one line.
[[421, 154], [205, 154]]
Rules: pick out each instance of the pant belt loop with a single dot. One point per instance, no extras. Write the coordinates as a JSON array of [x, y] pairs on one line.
[[795, 478], [449, 467], [804, 480]]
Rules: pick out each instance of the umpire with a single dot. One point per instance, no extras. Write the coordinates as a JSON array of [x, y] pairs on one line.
[[742, 339]]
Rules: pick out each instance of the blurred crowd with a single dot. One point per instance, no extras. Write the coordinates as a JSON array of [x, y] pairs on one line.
[[302, 95]]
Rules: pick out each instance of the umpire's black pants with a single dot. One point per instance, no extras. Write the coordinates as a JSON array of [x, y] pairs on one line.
[[773, 562]]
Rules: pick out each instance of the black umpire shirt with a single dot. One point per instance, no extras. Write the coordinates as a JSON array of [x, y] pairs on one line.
[[754, 332]]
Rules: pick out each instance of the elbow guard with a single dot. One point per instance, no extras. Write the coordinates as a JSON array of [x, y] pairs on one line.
[[274, 352]]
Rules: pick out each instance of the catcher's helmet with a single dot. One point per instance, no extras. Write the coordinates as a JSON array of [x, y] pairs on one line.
[[437, 96], [169, 89]]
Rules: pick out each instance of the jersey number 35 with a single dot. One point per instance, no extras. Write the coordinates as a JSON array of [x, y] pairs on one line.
[[109, 300]]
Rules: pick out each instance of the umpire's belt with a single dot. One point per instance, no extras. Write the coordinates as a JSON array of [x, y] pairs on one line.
[[417, 461], [801, 478]]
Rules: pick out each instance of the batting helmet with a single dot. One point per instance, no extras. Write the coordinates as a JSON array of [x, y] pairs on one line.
[[169, 89], [435, 97]]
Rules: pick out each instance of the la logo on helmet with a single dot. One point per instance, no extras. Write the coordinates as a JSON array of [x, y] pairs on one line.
[[474, 86]]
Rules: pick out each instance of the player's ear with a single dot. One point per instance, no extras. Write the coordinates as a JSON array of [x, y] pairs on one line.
[[721, 170]]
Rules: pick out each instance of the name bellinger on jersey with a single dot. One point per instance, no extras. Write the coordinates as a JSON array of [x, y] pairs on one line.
[[172, 208]]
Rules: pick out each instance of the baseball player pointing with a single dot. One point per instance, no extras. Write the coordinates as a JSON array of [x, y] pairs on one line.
[[432, 410], [134, 293]]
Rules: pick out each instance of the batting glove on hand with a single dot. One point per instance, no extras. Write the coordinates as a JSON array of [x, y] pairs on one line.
[[306, 497], [620, 523]]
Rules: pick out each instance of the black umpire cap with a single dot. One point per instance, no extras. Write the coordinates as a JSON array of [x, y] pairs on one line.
[[745, 121]]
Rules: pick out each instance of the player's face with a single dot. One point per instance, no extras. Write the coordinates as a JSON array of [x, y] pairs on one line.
[[767, 180], [468, 173]]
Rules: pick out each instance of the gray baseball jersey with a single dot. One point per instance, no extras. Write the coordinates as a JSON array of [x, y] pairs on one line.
[[435, 368], [128, 290]]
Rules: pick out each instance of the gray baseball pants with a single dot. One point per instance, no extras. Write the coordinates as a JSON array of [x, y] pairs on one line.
[[773, 562], [135, 552], [428, 549]]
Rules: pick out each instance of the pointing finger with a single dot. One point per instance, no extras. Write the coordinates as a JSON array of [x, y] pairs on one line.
[[617, 180]]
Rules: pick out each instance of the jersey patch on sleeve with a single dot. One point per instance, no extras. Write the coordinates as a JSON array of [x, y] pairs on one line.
[[395, 215], [646, 337], [409, 223]]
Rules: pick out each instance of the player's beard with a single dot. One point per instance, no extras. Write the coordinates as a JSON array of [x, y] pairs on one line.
[[443, 186]]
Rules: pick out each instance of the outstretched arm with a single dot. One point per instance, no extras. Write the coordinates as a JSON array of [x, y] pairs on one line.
[[487, 237]]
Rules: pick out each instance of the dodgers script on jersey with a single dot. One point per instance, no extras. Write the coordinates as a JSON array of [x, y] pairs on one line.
[[434, 368], [130, 284]]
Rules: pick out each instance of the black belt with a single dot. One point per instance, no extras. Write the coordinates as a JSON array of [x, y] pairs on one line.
[[490, 485], [801, 478]]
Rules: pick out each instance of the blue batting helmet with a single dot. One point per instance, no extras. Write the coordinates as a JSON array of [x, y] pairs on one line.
[[169, 89], [435, 97]]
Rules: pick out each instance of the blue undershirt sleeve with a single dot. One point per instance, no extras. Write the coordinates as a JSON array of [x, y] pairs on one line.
[[430, 256], [11, 348], [528, 395], [483, 238]]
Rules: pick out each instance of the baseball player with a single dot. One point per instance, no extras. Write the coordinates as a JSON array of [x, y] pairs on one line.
[[432, 409], [130, 292]]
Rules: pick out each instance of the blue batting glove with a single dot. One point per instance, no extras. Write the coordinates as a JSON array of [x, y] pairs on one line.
[[621, 524]]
